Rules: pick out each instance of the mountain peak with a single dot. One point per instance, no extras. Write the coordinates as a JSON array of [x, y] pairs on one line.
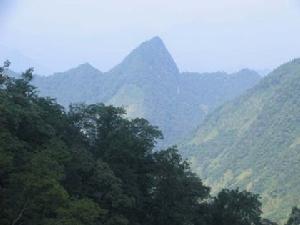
[[150, 57], [155, 41]]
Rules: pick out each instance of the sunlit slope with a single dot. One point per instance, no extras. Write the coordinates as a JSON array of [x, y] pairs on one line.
[[253, 142]]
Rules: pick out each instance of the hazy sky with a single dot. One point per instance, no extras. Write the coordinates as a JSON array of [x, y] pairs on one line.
[[201, 35]]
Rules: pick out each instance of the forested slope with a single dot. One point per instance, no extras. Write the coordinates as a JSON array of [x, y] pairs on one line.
[[253, 142]]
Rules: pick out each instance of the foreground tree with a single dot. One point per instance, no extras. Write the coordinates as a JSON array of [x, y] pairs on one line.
[[176, 191], [234, 207]]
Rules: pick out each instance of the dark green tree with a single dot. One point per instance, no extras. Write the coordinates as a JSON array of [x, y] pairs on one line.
[[176, 192], [234, 207], [36, 138], [125, 145]]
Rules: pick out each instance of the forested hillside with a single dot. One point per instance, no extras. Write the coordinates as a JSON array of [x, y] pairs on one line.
[[93, 166], [253, 142], [149, 85]]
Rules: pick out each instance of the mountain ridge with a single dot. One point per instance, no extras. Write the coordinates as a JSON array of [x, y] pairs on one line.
[[148, 83], [252, 142]]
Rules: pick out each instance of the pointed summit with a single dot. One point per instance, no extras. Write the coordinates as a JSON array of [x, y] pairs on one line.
[[150, 57], [155, 42]]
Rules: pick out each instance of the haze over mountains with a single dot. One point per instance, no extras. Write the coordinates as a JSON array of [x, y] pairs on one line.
[[253, 142], [149, 84]]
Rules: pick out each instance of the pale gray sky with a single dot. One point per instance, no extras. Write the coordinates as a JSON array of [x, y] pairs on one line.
[[209, 35]]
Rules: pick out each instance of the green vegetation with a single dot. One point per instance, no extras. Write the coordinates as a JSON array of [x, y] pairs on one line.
[[93, 166], [253, 143]]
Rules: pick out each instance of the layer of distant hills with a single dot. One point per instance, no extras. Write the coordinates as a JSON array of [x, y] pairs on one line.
[[253, 142], [149, 84]]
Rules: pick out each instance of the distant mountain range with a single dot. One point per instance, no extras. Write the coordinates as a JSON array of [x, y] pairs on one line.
[[253, 142], [149, 84]]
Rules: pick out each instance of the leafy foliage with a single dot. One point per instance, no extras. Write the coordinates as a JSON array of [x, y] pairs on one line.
[[232, 207]]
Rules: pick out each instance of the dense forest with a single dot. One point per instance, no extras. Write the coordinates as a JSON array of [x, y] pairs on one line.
[[91, 165]]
